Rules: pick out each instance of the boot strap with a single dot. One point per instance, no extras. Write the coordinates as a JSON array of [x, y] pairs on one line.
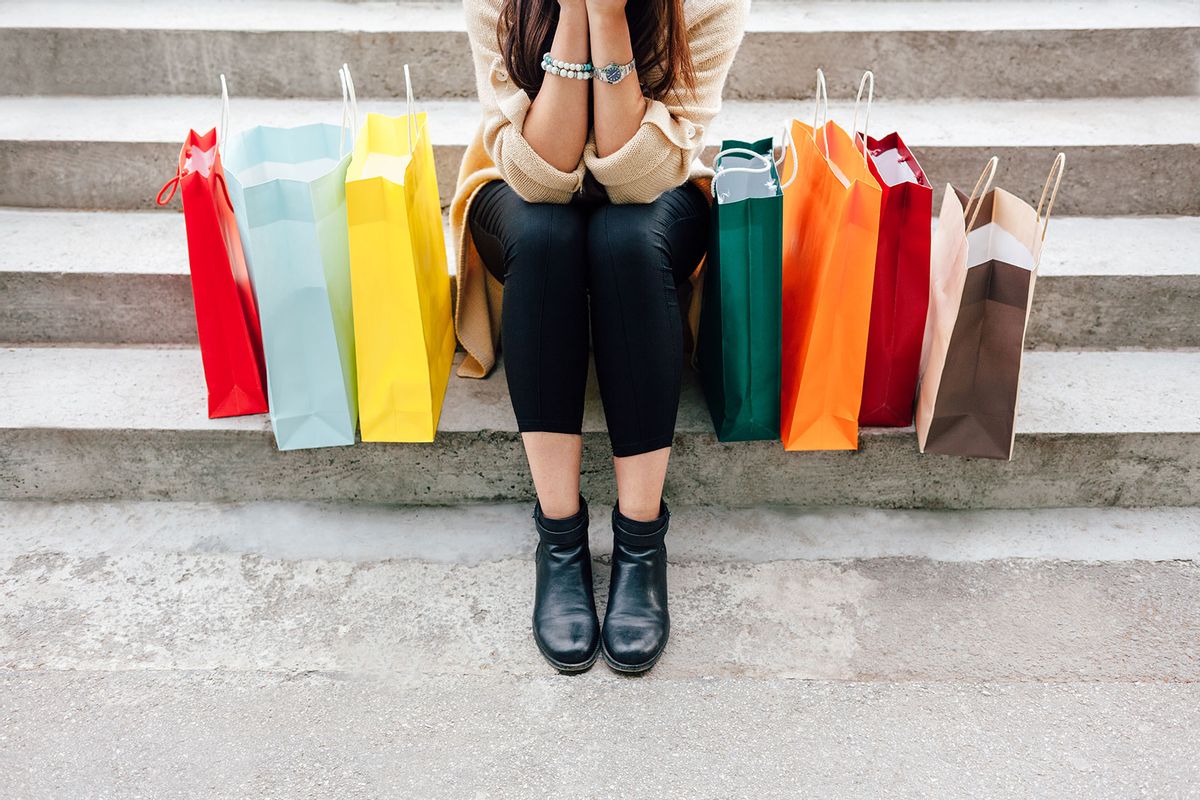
[[653, 537], [573, 536]]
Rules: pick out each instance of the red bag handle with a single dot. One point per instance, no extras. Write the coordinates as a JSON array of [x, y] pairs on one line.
[[172, 184]]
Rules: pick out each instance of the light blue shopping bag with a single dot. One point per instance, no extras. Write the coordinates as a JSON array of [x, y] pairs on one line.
[[288, 187]]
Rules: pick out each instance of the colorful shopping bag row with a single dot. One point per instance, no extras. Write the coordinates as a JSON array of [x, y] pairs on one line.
[[342, 246], [837, 261]]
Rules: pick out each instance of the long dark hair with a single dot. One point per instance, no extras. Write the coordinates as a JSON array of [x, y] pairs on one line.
[[656, 28]]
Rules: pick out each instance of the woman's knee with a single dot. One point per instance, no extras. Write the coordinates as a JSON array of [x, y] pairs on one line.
[[626, 237], [669, 234], [547, 232], [522, 234]]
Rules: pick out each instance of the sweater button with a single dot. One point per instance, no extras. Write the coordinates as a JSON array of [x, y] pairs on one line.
[[501, 75], [690, 131]]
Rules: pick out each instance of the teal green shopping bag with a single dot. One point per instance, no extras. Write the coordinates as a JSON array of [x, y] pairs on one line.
[[288, 188], [738, 349]]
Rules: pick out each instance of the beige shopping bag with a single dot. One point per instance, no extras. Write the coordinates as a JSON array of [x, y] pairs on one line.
[[984, 262]]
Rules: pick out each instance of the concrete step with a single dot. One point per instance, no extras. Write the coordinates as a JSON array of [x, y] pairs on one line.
[[121, 277], [1094, 428], [182, 734], [280, 48], [1131, 156], [358, 590], [337, 650]]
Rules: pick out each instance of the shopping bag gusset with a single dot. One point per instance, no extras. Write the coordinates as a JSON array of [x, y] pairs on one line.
[[830, 233], [227, 323], [737, 349], [900, 294], [984, 266], [403, 330], [288, 187]]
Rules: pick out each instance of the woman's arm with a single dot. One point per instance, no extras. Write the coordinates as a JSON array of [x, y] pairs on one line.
[[619, 107], [505, 105], [659, 154], [556, 125]]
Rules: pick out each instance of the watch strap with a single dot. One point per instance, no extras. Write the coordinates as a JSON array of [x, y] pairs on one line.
[[614, 72]]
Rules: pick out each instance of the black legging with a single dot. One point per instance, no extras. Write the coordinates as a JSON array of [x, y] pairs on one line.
[[628, 259]]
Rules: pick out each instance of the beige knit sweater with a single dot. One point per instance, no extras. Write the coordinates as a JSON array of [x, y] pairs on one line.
[[660, 156]]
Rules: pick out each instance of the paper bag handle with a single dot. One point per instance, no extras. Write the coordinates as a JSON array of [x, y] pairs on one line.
[[223, 128], [410, 111], [785, 142], [821, 104], [985, 181], [1059, 166], [740, 151], [349, 108], [167, 192], [867, 82]]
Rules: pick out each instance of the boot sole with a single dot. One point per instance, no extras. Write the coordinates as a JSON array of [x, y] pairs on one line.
[[569, 669], [630, 669]]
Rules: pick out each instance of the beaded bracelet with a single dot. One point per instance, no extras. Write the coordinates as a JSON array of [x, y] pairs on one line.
[[566, 69]]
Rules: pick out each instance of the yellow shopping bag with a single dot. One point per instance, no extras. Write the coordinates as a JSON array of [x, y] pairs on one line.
[[400, 285]]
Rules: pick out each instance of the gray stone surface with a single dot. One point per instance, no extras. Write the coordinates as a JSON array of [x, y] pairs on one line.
[[279, 650], [433, 15], [109, 594], [1125, 156], [1095, 122], [121, 277], [478, 533], [1094, 429], [188, 734], [277, 49]]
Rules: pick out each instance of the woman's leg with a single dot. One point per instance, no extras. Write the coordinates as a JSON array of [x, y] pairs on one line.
[[538, 251], [638, 255]]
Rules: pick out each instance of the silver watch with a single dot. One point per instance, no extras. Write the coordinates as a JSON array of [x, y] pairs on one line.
[[614, 72]]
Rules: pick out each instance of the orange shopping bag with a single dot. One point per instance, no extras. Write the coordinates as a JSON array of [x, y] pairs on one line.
[[830, 232]]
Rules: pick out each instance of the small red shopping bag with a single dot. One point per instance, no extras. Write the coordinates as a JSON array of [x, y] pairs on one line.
[[900, 297], [226, 313]]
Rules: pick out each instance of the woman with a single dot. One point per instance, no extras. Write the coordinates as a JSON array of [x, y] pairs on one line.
[[577, 202]]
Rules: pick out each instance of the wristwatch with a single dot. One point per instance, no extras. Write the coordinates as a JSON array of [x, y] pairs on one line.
[[614, 72]]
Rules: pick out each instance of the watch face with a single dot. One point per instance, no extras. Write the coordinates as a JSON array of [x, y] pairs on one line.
[[612, 73]]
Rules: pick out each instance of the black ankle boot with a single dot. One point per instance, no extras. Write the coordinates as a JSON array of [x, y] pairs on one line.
[[565, 625], [636, 624]]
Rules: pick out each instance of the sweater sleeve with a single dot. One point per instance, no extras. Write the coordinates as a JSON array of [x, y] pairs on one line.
[[671, 136], [504, 108]]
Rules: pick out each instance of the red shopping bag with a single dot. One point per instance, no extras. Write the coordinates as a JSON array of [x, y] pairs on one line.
[[226, 314], [900, 298]]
